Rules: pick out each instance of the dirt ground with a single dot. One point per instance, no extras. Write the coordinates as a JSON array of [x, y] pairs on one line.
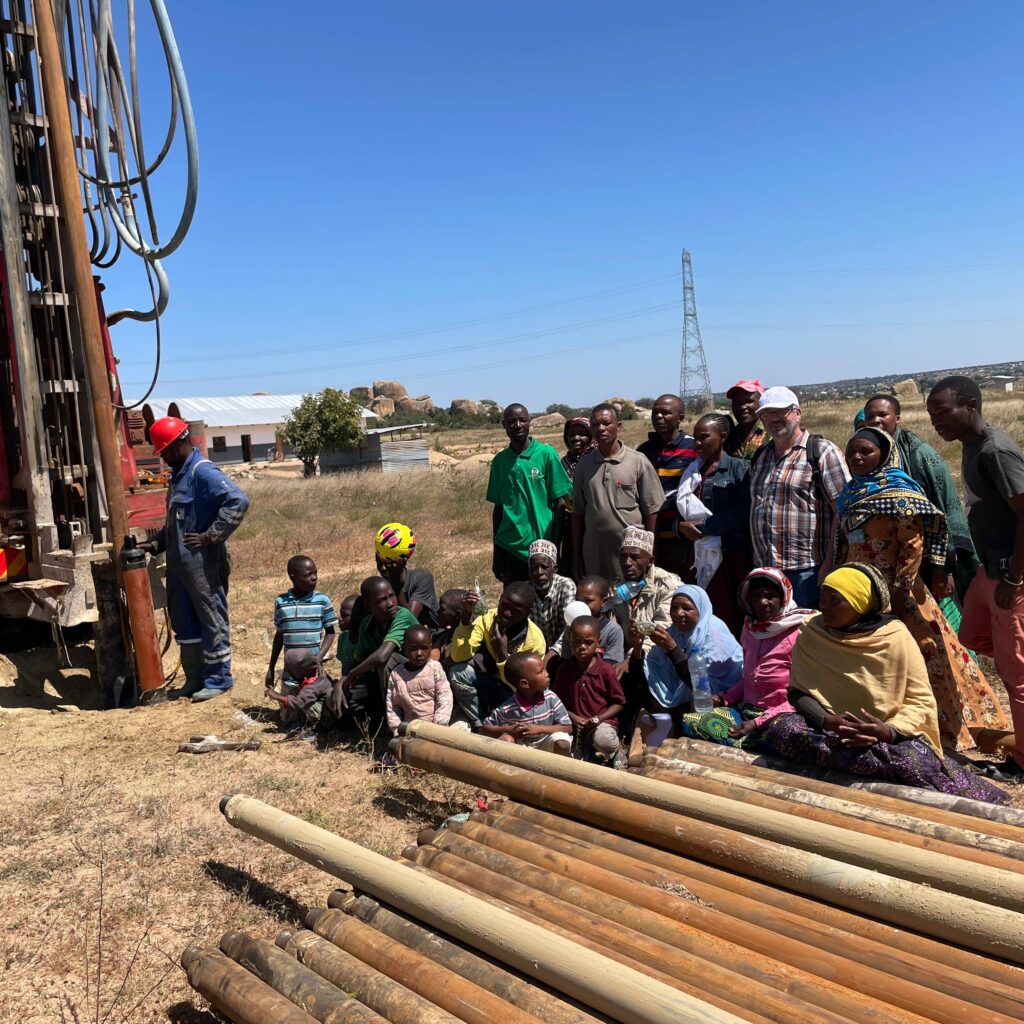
[[113, 855]]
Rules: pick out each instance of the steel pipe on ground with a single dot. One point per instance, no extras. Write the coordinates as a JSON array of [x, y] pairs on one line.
[[720, 886], [658, 915], [958, 812], [596, 980], [237, 994], [438, 984], [829, 968], [541, 918], [951, 917], [392, 1000], [922, 835], [318, 997], [1002, 889], [466, 964]]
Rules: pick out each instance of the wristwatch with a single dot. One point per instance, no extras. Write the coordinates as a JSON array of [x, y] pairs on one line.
[[595, 720]]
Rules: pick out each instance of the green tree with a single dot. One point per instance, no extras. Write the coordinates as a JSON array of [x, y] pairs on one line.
[[326, 421]]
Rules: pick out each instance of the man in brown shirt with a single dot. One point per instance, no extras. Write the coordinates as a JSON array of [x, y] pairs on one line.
[[614, 486]]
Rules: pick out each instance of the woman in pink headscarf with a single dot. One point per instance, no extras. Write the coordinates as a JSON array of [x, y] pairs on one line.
[[769, 634]]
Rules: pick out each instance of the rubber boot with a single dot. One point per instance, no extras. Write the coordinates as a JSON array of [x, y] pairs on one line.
[[192, 667]]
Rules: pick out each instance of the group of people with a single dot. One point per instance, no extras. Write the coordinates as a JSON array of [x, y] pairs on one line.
[[752, 514], [814, 586]]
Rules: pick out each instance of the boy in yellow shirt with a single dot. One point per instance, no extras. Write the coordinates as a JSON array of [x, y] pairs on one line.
[[481, 646]]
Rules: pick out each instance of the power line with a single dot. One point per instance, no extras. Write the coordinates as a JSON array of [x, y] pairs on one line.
[[460, 369], [474, 345], [527, 336]]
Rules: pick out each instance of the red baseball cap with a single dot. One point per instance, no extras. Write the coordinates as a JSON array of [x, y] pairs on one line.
[[746, 385]]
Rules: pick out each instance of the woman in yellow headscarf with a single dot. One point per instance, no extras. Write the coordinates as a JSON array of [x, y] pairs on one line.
[[864, 705]]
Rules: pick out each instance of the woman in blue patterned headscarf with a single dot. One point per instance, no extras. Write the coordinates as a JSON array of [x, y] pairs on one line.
[[886, 521]]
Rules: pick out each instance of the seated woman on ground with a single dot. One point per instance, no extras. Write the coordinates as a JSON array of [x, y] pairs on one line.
[[863, 702], [769, 633], [694, 629]]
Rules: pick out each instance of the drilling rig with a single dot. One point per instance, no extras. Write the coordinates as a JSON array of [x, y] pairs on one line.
[[78, 483]]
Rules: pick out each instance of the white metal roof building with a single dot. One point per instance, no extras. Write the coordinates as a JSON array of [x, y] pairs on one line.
[[240, 428]]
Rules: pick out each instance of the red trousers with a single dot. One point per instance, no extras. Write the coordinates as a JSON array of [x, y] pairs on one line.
[[999, 633]]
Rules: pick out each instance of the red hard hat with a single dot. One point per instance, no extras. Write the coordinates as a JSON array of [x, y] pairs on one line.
[[166, 430]]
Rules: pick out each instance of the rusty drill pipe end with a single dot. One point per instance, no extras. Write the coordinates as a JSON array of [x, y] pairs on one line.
[[284, 936], [224, 801], [393, 745], [410, 851], [341, 899], [403, 728], [191, 954], [426, 836], [313, 916]]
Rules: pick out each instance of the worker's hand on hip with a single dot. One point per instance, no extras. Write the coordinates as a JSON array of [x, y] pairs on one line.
[[149, 546], [195, 541]]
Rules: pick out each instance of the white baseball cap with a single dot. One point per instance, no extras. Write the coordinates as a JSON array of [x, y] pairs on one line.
[[778, 398]]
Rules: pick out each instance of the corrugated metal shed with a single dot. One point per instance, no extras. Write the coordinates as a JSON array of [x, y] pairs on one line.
[[237, 410], [379, 451]]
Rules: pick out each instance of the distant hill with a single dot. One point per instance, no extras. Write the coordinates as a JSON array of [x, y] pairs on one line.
[[861, 387]]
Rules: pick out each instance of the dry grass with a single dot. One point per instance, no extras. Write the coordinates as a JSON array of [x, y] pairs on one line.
[[93, 795]]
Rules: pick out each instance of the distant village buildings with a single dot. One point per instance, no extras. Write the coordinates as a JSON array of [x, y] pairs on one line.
[[241, 428]]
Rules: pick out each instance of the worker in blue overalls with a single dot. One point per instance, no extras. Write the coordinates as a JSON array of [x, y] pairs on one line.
[[204, 508]]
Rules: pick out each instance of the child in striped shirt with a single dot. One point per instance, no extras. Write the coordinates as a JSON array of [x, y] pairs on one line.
[[303, 619], [533, 716]]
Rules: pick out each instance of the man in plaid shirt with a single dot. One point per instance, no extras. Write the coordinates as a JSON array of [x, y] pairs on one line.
[[553, 592], [793, 509]]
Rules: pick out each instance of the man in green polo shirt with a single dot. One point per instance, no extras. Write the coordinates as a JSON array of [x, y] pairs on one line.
[[527, 484]]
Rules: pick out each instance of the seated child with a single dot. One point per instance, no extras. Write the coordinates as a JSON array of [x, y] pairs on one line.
[[360, 691], [589, 688], [304, 619], [305, 705], [593, 592], [419, 689], [449, 615], [533, 716], [348, 628], [769, 633], [481, 646]]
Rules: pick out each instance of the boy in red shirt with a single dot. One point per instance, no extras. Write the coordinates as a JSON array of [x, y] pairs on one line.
[[589, 688], [305, 705]]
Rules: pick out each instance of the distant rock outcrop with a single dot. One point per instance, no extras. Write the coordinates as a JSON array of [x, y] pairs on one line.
[[389, 389], [549, 419], [382, 406], [424, 404], [361, 395], [463, 407], [622, 404], [907, 390]]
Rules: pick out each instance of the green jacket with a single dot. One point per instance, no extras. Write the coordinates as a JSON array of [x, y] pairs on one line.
[[929, 469]]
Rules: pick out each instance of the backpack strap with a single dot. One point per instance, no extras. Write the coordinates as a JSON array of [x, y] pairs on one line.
[[814, 450]]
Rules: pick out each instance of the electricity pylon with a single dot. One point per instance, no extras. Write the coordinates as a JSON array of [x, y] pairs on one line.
[[694, 379]]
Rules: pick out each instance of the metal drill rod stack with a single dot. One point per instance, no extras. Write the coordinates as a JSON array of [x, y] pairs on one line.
[[926, 804], [572, 903]]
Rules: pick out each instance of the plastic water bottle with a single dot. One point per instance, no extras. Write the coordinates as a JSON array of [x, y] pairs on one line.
[[481, 601], [624, 593], [700, 682]]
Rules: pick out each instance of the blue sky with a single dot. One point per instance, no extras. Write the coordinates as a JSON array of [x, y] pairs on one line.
[[489, 200]]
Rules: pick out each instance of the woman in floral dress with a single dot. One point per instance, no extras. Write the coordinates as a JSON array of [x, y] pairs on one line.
[[886, 521]]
